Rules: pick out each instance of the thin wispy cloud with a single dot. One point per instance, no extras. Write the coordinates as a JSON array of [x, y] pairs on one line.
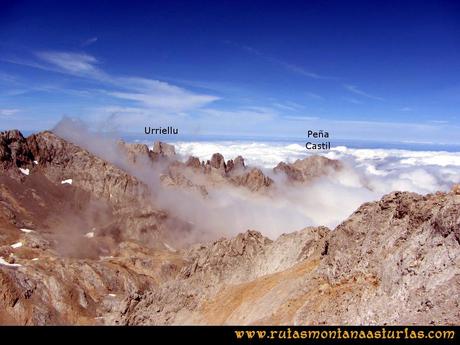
[[28, 63], [300, 118], [405, 109], [440, 122], [355, 90], [293, 68], [294, 105], [159, 95], [74, 63], [77, 64], [229, 122], [8, 112], [299, 70], [8, 78], [216, 86], [288, 106], [377, 124], [16, 86], [211, 119], [134, 101], [89, 41], [284, 106], [352, 100], [148, 93], [172, 99], [313, 95], [245, 115]]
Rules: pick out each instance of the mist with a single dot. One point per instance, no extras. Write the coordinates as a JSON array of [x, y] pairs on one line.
[[227, 210]]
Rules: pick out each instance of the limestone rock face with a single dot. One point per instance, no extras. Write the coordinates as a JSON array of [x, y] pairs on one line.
[[136, 153], [48, 289], [235, 171], [163, 149], [229, 166], [254, 180], [14, 152], [395, 261], [215, 172], [307, 169], [226, 255], [222, 279], [238, 163], [128, 198], [193, 162], [217, 161], [60, 160]]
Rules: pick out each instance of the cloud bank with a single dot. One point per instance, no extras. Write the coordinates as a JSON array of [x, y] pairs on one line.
[[227, 210], [367, 176]]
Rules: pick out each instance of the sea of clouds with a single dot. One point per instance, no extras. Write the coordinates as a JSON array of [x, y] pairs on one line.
[[367, 176], [385, 169]]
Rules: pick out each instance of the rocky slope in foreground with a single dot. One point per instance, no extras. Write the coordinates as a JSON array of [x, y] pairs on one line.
[[94, 250], [395, 261]]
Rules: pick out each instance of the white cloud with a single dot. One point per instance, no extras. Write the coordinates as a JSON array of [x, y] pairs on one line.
[[262, 154], [374, 163], [89, 41], [355, 90], [147, 93], [367, 176], [352, 100], [246, 116], [210, 120], [300, 118], [8, 112], [300, 70], [314, 96], [405, 109], [150, 99], [286, 65], [161, 95], [325, 201], [286, 107], [74, 63]]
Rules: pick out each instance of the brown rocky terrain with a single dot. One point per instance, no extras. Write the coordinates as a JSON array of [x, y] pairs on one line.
[[304, 170], [395, 261], [83, 240]]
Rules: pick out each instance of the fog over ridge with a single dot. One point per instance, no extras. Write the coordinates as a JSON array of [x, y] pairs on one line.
[[227, 210]]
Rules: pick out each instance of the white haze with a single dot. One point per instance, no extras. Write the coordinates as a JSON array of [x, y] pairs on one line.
[[227, 210], [367, 176], [381, 170]]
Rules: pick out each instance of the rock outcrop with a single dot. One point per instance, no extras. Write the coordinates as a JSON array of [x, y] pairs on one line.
[[59, 160], [137, 153], [395, 261], [254, 180], [14, 153], [307, 169], [163, 149], [216, 172]]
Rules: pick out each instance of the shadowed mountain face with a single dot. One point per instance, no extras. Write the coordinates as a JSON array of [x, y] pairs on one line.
[[89, 240]]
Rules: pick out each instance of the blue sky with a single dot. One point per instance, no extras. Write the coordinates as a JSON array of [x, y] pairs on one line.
[[361, 70]]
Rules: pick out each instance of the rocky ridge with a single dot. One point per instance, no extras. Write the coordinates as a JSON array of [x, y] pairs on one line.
[[395, 261]]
